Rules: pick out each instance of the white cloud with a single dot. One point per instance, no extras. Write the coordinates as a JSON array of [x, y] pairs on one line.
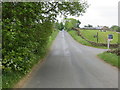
[[101, 12]]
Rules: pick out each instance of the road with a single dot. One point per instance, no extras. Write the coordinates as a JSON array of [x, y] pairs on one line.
[[72, 65]]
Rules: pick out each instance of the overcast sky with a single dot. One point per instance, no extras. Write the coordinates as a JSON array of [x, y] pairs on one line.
[[100, 12]]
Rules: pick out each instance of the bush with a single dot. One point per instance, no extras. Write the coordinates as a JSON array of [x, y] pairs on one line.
[[23, 39]]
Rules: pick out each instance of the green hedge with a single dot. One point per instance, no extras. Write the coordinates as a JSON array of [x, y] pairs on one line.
[[23, 37], [26, 29], [9, 79]]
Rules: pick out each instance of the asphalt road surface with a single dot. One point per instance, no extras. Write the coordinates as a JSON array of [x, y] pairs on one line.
[[72, 65]]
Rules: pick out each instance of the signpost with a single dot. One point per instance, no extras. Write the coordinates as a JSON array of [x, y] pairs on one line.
[[110, 37], [96, 36]]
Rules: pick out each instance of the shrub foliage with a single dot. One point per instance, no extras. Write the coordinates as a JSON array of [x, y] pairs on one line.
[[26, 28]]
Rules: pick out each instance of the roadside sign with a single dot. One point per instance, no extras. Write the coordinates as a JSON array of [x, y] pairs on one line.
[[110, 36]]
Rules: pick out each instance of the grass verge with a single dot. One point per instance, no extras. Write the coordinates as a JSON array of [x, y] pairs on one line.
[[109, 58], [82, 41], [9, 79]]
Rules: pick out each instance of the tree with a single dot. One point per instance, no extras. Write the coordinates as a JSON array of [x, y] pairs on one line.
[[71, 23], [26, 28], [88, 25], [115, 28], [118, 29], [78, 23], [61, 26]]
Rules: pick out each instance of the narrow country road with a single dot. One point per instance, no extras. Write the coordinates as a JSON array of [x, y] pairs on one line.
[[72, 65]]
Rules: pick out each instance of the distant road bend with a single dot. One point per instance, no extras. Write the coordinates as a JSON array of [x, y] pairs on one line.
[[72, 65]]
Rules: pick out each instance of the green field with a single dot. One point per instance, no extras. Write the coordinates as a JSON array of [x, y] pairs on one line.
[[78, 38], [102, 36], [107, 57], [82, 41]]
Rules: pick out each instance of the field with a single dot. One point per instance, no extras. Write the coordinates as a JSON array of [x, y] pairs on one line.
[[82, 41], [89, 34], [78, 38], [102, 36]]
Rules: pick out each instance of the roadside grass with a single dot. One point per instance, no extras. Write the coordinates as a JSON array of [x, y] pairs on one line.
[[0, 65], [110, 58], [51, 38], [102, 36], [0, 79], [107, 57], [82, 41], [9, 79]]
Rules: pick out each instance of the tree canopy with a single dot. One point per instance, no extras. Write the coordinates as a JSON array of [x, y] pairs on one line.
[[71, 23], [115, 28], [59, 26], [27, 27], [88, 25]]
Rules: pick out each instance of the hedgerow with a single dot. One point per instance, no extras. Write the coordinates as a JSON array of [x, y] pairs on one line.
[[23, 37], [26, 28]]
